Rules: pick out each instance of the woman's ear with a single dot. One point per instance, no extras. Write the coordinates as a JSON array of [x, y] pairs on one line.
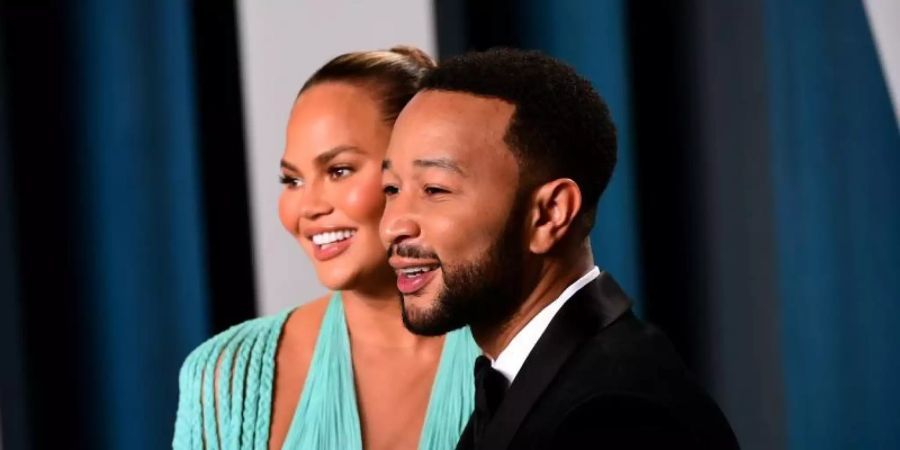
[[555, 206]]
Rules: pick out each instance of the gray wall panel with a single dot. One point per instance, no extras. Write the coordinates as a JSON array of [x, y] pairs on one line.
[[281, 44]]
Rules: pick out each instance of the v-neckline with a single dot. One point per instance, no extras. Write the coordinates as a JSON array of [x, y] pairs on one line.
[[336, 302]]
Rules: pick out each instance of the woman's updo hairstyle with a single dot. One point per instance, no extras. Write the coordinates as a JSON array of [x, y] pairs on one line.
[[394, 75]]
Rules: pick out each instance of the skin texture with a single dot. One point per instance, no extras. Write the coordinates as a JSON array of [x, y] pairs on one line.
[[331, 167], [451, 183], [444, 175]]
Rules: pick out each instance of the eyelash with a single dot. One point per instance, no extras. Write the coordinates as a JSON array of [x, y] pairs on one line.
[[289, 181], [333, 172], [433, 190], [390, 190]]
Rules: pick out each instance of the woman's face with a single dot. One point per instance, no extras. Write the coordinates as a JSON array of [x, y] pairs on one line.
[[332, 199]]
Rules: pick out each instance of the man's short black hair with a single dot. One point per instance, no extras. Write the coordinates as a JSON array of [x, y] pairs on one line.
[[561, 128]]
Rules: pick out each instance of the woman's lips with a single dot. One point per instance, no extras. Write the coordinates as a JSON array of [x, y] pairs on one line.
[[329, 251]]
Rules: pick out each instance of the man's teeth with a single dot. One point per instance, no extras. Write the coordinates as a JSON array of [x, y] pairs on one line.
[[332, 237], [413, 271]]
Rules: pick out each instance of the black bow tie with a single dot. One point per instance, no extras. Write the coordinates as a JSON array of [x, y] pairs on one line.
[[490, 386]]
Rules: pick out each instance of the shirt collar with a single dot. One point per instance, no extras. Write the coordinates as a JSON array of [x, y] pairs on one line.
[[510, 360]]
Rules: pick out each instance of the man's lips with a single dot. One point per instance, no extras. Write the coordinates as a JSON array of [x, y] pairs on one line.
[[413, 274], [411, 284]]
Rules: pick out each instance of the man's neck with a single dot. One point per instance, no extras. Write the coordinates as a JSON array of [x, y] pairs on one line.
[[553, 278]]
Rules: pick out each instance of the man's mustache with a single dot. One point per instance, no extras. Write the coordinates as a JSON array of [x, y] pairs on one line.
[[411, 251]]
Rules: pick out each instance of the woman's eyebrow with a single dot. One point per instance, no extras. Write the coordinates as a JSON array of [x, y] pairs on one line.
[[326, 157]]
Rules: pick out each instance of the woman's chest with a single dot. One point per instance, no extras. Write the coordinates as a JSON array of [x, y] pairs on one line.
[[393, 393]]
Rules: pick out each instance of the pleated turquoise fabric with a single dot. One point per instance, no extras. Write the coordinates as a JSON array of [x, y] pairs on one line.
[[237, 414]]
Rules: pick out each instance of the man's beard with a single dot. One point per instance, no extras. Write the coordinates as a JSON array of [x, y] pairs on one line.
[[481, 293]]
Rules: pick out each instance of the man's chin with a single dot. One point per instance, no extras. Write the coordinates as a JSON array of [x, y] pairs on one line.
[[426, 320]]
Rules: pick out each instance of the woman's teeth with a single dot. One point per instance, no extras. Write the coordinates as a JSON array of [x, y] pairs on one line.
[[332, 237]]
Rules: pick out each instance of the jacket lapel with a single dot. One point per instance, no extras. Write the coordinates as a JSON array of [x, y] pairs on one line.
[[592, 308]]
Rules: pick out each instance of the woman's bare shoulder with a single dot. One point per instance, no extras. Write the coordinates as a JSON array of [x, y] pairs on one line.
[[294, 356], [301, 329]]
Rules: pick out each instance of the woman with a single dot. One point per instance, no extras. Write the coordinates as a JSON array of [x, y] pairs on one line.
[[340, 372]]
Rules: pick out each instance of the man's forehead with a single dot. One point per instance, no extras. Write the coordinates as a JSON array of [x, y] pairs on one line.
[[450, 122], [456, 103], [465, 163], [452, 132]]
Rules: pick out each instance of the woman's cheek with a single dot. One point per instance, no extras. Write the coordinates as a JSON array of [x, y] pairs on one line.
[[287, 213], [364, 202]]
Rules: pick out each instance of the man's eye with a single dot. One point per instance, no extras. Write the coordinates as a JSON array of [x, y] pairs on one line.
[[290, 182], [339, 172], [434, 190], [390, 190]]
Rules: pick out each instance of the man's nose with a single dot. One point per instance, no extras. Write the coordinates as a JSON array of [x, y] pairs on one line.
[[397, 224]]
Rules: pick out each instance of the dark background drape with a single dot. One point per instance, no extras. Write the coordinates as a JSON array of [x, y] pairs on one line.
[[753, 215], [124, 212], [836, 181]]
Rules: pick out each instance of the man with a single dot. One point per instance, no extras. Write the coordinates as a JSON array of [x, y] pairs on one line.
[[492, 178]]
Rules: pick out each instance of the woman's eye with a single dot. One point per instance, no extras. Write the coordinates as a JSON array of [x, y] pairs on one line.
[[390, 190], [339, 172], [290, 182]]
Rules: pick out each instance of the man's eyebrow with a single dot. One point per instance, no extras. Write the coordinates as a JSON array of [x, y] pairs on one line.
[[324, 158], [440, 163]]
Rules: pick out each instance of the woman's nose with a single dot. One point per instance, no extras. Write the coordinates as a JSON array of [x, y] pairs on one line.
[[312, 203]]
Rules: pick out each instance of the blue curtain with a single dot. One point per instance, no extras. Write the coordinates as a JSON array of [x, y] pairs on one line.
[[142, 236], [591, 36], [836, 169]]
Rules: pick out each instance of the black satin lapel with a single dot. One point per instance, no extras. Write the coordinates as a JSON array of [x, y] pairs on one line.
[[592, 308]]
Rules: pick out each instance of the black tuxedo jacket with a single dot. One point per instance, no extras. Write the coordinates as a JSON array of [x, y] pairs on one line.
[[599, 378]]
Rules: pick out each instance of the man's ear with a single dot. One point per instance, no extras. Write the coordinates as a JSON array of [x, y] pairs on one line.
[[554, 209]]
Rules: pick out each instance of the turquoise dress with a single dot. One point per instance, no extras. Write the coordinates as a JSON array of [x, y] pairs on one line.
[[238, 415]]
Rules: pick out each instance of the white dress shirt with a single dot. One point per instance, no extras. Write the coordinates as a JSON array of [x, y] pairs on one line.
[[510, 360]]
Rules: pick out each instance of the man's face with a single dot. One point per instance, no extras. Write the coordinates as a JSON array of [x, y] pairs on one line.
[[453, 221]]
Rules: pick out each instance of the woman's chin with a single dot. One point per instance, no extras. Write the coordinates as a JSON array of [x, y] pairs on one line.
[[336, 283], [363, 278], [338, 277]]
